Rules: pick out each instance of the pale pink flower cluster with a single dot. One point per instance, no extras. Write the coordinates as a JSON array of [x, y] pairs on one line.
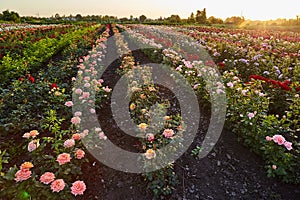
[[280, 140], [251, 115], [77, 114], [92, 110], [106, 89], [69, 143], [244, 92], [69, 103], [84, 133], [102, 136], [168, 133], [87, 79], [75, 120], [33, 145], [85, 95], [230, 84], [78, 91], [87, 85]]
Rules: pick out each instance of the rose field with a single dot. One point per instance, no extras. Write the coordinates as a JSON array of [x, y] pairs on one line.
[[60, 91]]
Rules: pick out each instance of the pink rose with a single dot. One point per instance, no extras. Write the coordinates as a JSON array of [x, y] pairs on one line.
[[288, 145], [33, 145], [251, 115], [102, 136], [63, 158], [279, 139], [57, 185], [75, 120], [85, 95], [78, 188], [87, 78], [168, 133], [230, 84], [79, 154], [219, 91], [261, 94], [69, 103], [268, 138], [92, 111], [77, 114], [69, 143], [244, 92], [47, 177], [26, 135], [87, 85], [22, 175], [78, 91], [274, 167], [106, 89], [150, 137]]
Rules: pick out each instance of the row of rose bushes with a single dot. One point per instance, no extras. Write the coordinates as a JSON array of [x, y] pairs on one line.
[[250, 104], [41, 152], [14, 41], [149, 111], [16, 65]]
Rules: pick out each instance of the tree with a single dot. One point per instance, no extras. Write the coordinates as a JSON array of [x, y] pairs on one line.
[[142, 18], [131, 18], [235, 20], [174, 19], [56, 16], [78, 17], [191, 19], [10, 16], [124, 19], [201, 16], [214, 20]]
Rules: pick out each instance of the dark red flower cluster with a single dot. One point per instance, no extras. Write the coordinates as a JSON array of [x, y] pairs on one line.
[[53, 86], [221, 65], [192, 57], [210, 63], [284, 85], [31, 78]]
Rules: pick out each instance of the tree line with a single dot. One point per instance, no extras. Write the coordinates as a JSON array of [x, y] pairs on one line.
[[199, 17]]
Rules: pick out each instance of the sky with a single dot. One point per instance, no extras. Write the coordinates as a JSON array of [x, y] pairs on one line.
[[250, 9]]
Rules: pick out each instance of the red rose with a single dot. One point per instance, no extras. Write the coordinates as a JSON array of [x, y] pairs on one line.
[[53, 85], [31, 78], [221, 64]]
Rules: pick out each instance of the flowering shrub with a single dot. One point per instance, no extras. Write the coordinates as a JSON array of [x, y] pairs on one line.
[[148, 110]]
